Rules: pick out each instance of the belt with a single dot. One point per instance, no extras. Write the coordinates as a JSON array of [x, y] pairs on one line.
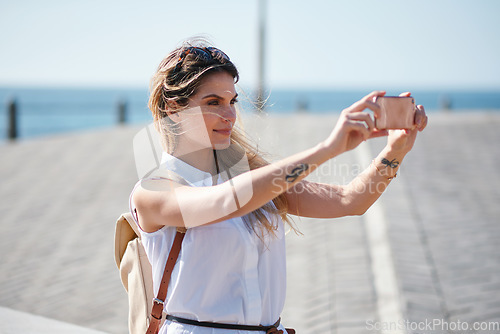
[[268, 329]]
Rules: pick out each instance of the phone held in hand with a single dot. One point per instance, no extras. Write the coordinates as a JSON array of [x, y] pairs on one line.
[[396, 112]]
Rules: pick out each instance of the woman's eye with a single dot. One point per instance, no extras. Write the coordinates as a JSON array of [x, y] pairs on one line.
[[234, 101], [213, 103]]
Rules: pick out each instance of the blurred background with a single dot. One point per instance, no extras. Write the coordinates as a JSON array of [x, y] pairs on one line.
[[69, 65], [71, 71]]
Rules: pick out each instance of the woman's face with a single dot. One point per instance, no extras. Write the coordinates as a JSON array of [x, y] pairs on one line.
[[211, 113]]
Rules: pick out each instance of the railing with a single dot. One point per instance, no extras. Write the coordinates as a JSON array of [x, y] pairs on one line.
[[38, 112], [29, 117]]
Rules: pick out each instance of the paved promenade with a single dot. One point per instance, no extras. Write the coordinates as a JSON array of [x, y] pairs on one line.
[[426, 254]]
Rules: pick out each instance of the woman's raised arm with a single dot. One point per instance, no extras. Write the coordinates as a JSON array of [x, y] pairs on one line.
[[169, 203], [317, 200]]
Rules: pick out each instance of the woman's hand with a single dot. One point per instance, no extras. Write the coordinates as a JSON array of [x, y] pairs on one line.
[[402, 140], [355, 125]]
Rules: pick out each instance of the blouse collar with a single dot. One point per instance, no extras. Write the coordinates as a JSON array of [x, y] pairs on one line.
[[191, 174]]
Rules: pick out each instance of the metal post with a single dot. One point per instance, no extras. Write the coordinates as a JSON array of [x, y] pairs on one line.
[[261, 56], [445, 102], [122, 112], [12, 121]]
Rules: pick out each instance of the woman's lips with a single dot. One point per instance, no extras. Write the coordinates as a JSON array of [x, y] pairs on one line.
[[225, 132]]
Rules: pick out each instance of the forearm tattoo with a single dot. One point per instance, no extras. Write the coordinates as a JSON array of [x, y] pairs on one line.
[[296, 172], [393, 163]]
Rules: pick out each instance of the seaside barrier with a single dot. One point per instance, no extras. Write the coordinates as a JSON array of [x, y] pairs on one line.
[[12, 107], [12, 119], [36, 112], [122, 111]]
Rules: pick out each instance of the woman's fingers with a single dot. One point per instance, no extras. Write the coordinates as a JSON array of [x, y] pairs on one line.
[[373, 95], [363, 121], [365, 104], [420, 118], [362, 117], [379, 133], [360, 128]]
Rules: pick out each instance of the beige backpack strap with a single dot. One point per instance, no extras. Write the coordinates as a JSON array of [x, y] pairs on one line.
[[125, 231], [159, 301]]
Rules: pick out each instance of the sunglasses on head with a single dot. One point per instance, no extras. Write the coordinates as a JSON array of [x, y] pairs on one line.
[[204, 53]]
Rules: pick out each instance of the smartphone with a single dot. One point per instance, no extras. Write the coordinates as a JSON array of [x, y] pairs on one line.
[[397, 112]]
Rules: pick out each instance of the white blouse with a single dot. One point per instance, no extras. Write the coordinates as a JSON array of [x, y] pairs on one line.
[[224, 273]]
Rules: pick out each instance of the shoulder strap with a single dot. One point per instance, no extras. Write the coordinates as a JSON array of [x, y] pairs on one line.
[[157, 311], [126, 229]]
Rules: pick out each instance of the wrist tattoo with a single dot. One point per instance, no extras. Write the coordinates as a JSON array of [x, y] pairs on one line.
[[393, 163], [296, 172]]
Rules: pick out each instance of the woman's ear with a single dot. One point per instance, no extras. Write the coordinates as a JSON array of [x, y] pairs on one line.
[[174, 116], [173, 111]]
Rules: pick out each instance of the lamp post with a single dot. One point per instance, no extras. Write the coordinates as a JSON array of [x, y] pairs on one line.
[[261, 56]]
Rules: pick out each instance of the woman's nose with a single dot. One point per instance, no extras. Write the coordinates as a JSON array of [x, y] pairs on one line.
[[229, 114]]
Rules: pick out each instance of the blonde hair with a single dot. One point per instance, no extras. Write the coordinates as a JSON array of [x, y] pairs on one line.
[[177, 78]]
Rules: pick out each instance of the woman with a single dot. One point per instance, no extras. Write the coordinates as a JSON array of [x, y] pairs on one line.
[[231, 269]]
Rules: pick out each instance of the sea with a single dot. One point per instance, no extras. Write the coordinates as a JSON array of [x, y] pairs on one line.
[[45, 111]]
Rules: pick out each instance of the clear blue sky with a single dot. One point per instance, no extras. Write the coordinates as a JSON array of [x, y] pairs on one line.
[[312, 44]]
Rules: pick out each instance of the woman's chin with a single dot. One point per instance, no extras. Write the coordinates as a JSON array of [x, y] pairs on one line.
[[221, 145]]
